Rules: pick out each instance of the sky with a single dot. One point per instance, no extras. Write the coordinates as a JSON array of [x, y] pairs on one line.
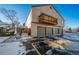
[[70, 13]]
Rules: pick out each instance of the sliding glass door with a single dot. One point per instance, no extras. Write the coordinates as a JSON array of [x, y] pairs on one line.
[[40, 31], [49, 32]]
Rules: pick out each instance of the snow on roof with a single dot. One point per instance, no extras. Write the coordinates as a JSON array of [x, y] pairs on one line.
[[3, 24]]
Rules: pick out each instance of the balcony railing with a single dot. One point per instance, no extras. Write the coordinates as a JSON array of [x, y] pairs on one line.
[[43, 18]]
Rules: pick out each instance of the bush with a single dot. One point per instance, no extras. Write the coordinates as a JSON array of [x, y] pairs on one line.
[[4, 34]]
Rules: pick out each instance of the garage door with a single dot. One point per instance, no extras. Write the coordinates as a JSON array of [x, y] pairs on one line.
[[40, 31], [49, 32]]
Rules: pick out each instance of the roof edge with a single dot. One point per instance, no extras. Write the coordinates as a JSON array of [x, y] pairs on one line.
[[42, 5]]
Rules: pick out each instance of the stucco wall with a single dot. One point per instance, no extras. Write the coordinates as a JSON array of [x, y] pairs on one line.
[[29, 20], [35, 13], [34, 28]]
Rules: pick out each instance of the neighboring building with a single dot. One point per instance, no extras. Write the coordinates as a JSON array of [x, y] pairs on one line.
[[44, 21], [78, 29], [4, 26], [71, 30], [22, 29]]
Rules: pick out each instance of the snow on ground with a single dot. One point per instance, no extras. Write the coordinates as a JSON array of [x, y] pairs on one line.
[[71, 36], [73, 42], [29, 51], [11, 39], [3, 39], [25, 37], [74, 46], [12, 45], [12, 48]]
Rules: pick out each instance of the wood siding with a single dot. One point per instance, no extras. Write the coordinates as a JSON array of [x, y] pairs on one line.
[[44, 18]]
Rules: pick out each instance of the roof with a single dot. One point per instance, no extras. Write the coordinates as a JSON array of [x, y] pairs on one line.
[[3, 24]]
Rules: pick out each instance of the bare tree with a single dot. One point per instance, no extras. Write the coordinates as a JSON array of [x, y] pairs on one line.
[[11, 15]]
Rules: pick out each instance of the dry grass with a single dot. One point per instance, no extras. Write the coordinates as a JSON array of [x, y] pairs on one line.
[[55, 43]]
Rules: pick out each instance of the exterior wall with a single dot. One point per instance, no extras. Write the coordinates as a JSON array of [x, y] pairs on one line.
[[34, 15], [34, 29], [29, 20]]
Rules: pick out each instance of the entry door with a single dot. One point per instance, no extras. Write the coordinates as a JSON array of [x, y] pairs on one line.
[[40, 31], [49, 32]]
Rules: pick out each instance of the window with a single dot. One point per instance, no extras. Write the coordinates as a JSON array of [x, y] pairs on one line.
[[57, 31], [61, 31]]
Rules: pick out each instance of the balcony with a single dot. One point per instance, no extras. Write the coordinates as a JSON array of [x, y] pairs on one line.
[[43, 18]]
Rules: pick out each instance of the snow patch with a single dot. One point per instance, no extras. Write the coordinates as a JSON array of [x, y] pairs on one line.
[[3, 39], [12, 48]]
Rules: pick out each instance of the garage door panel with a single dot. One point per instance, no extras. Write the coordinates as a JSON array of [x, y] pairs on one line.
[[41, 32], [49, 32]]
